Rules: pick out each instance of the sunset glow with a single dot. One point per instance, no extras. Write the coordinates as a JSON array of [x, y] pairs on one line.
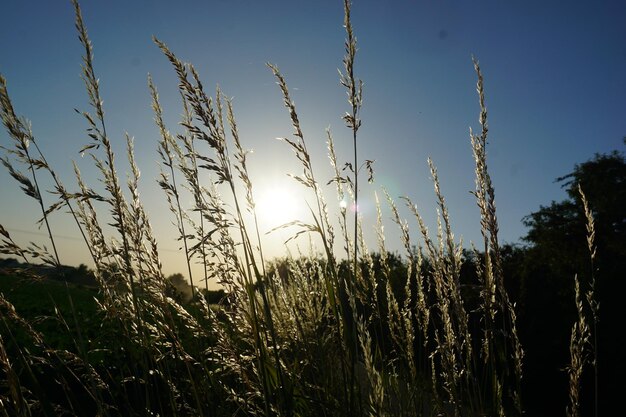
[[278, 205]]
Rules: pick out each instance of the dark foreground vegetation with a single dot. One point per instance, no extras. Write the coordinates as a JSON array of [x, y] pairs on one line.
[[437, 330]]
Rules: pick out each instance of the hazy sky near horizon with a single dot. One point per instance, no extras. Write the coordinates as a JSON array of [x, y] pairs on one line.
[[554, 78]]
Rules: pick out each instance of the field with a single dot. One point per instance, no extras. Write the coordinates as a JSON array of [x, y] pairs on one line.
[[53, 306], [437, 330]]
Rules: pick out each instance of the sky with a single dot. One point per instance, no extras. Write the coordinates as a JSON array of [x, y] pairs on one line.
[[554, 83]]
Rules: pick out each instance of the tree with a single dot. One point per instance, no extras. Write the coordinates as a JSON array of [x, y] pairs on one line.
[[603, 180], [180, 288], [556, 251]]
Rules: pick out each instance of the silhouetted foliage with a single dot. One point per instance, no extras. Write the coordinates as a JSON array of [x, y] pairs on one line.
[[556, 252]]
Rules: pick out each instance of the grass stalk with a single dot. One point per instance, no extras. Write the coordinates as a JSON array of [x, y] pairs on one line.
[[98, 133], [169, 153], [591, 296], [22, 136]]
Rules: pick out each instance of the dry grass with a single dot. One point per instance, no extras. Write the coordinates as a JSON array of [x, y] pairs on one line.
[[583, 348], [310, 335]]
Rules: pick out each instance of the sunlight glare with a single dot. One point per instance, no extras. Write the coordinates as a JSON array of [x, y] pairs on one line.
[[276, 206]]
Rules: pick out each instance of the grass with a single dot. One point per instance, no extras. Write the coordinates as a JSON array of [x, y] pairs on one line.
[[353, 335], [46, 303]]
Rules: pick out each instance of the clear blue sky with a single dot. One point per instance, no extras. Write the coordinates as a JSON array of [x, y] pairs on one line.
[[554, 76]]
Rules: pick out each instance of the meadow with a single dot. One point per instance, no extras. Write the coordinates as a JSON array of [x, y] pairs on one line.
[[349, 331]]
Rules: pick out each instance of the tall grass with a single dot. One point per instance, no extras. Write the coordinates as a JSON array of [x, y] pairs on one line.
[[584, 338], [319, 334]]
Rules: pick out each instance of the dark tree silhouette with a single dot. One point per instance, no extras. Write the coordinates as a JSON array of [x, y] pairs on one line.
[[556, 251]]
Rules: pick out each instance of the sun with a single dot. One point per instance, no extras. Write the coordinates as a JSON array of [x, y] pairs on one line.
[[277, 204]]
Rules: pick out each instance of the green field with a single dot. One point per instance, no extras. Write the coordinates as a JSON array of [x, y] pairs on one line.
[[66, 313]]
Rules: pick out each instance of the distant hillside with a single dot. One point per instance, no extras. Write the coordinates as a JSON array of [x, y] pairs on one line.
[[76, 275]]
